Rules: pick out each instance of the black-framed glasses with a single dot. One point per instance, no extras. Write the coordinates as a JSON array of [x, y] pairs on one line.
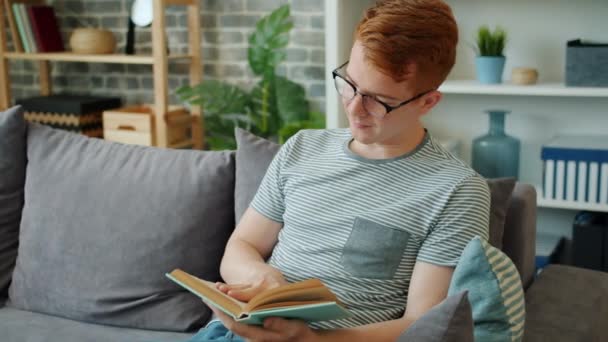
[[372, 105]]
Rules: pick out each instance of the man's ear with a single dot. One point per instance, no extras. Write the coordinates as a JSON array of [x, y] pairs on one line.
[[429, 101]]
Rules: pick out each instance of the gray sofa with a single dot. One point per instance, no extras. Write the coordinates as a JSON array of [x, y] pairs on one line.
[[563, 303]]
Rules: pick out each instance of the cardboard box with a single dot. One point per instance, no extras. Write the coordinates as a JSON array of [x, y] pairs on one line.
[[135, 125]]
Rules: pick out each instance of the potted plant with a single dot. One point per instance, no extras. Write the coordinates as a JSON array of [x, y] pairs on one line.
[[490, 61], [275, 108]]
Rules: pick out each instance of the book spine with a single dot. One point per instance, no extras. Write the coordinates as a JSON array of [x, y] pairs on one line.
[[593, 177], [571, 181], [45, 28], [13, 26], [38, 36], [559, 180], [582, 183], [604, 185], [548, 188], [21, 28], [28, 28]]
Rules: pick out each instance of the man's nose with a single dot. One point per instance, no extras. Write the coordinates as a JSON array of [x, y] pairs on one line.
[[355, 106]]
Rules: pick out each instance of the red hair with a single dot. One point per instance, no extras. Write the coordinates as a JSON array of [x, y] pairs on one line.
[[408, 39]]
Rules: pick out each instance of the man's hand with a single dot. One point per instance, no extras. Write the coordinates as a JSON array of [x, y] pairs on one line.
[[274, 330], [270, 279]]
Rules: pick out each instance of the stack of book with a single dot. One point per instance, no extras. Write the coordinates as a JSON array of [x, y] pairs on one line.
[[34, 28], [77, 113]]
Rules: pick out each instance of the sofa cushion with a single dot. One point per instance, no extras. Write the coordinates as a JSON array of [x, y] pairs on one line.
[[449, 321], [253, 156], [103, 222], [12, 179], [501, 190], [24, 326], [567, 303], [495, 292]]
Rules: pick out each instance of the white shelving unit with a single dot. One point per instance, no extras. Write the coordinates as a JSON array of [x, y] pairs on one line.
[[538, 31], [559, 204], [472, 87]]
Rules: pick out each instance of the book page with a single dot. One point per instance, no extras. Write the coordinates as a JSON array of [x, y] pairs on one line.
[[285, 305], [207, 290], [308, 291]]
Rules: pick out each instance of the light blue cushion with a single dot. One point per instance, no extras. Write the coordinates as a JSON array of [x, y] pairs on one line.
[[495, 292]]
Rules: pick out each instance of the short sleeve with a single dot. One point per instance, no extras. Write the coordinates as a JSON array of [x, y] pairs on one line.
[[466, 215], [269, 200]]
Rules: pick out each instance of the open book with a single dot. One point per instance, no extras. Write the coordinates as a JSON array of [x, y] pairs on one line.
[[308, 300]]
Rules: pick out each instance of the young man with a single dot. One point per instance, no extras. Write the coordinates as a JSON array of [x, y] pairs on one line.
[[380, 212]]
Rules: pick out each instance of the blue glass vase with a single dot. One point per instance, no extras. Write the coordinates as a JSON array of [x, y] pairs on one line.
[[496, 154]]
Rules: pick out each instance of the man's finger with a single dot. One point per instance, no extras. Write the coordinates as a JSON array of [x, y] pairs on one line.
[[255, 333], [244, 294]]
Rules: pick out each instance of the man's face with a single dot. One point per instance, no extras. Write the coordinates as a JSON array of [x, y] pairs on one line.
[[370, 129]]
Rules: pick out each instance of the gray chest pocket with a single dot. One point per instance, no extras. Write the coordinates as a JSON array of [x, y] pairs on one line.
[[373, 250]]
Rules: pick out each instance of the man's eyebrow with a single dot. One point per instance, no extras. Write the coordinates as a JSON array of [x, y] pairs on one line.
[[370, 93]]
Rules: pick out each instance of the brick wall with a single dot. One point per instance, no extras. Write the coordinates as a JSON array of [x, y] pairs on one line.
[[226, 25]]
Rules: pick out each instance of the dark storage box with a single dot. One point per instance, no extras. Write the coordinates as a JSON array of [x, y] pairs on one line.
[[590, 235], [76, 113], [586, 64]]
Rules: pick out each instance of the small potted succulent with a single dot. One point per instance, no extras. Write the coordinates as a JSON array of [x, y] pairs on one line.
[[490, 61]]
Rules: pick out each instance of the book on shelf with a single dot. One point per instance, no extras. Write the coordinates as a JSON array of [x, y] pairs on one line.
[[27, 27], [309, 300], [12, 23], [45, 29], [34, 28], [21, 27]]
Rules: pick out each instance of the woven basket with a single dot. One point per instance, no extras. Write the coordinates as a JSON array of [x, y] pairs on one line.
[[92, 41]]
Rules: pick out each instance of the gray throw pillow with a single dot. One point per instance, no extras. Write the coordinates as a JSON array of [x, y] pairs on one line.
[[253, 156], [103, 222], [501, 190], [450, 320], [12, 180]]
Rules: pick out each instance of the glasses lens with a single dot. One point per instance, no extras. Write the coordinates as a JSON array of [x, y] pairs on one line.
[[373, 107], [344, 89]]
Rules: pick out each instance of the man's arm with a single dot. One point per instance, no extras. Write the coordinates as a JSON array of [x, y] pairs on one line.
[[428, 287], [244, 263]]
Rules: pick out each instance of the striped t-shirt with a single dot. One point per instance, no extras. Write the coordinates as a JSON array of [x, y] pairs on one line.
[[359, 225]]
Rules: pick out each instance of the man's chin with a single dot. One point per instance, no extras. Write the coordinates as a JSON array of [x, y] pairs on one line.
[[364, 137]]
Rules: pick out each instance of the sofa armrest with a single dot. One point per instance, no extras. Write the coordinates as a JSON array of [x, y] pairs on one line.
[[567, 304], [519, 240]]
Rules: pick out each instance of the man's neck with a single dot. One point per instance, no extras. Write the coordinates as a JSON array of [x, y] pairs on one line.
[[390, 148]]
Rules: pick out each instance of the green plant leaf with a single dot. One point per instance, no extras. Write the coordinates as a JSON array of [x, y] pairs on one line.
[[490, 43], [216, 97], [264, 107], [268, 40], [224, 107], [316, 121], [291, 100], [275, 108]]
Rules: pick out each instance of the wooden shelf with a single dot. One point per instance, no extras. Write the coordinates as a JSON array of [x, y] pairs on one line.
[[182, 144], [158, 59], [542, 89], [74, 57]]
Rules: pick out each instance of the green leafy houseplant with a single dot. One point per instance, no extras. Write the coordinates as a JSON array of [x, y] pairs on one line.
[[275, 108], [491, 43]]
